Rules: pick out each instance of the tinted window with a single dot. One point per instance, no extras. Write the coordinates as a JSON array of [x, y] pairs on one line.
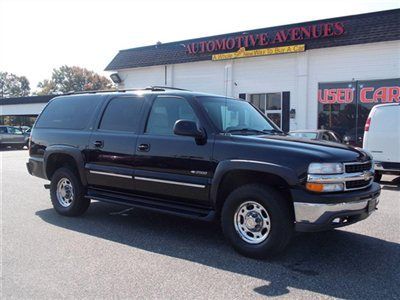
[[122, 114], [72, 112], [3, 129], [165, 112]]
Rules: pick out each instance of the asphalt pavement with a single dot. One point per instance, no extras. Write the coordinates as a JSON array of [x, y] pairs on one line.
[[111, 252]]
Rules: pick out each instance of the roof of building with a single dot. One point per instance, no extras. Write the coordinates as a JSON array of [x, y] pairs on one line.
[[26, 100], [359, 29]]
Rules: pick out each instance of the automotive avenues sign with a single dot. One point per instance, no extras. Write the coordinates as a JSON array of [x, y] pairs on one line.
[[300, 33]]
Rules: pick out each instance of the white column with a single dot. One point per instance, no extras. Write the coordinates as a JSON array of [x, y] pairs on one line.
[[299, 100], [228, 80], [170, 75]]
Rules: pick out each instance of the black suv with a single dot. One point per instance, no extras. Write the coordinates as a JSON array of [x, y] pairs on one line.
[[200, 156]]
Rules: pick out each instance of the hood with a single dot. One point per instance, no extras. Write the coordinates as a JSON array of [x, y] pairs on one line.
[[323, 150]]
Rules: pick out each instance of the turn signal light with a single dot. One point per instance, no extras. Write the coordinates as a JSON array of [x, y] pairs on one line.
[[324, 187], [315, 187]]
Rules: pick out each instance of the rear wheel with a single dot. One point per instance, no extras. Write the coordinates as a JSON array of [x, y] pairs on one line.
[[67, 193], [256, 220]]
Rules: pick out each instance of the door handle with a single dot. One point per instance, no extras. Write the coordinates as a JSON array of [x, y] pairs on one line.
[[144, 147], [98, 144]]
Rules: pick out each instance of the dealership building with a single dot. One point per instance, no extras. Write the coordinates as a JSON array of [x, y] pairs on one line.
[[319, 74]]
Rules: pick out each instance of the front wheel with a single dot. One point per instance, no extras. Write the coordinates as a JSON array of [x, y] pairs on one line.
[[257, 221], [67, 193]]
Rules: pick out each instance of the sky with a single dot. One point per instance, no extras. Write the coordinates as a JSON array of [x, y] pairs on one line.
[[37, 36]]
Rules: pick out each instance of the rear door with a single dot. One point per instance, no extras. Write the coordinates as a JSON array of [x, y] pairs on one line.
[[110, 157], [169, 166]]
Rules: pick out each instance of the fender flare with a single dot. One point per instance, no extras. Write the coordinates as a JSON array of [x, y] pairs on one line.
[[249, 165], [75, 153]]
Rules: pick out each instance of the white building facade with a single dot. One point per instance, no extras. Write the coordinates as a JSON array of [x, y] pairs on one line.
[[297, 73], [343, 59]]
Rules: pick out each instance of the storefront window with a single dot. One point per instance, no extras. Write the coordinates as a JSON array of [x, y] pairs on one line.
[[344, 106], [270, 104]]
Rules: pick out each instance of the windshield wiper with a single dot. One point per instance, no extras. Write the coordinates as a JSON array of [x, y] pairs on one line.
[[273, 131], [245, 130]]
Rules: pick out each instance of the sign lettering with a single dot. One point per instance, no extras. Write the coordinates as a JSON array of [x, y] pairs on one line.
[[258, 52], [300, 33]]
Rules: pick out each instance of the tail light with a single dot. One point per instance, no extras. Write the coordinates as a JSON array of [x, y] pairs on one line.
[[367, 124]]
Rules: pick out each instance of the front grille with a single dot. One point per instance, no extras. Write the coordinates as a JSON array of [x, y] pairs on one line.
[[358, 167], [357, 184]]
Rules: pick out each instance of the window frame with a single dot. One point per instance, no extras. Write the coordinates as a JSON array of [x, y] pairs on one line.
[[106, 105]]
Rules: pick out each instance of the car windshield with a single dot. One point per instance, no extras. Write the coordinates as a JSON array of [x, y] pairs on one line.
[[306, 135], [236, 116]]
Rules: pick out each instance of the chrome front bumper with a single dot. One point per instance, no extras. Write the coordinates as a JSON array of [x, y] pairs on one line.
[[316, 212]]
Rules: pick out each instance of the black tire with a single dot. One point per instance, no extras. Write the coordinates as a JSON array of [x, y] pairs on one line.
[[79, 204], [377, 177], [281, 220]]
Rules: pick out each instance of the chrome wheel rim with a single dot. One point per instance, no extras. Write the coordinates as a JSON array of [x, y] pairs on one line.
[[65, 192], [252, 222]]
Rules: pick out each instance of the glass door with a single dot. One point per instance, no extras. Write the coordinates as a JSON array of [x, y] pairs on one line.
[[270, 104]]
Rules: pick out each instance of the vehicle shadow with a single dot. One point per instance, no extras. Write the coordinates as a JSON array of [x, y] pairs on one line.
[[337, 263], [392, 185]]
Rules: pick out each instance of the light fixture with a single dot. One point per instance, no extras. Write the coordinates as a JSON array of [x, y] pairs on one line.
[[115, 78]]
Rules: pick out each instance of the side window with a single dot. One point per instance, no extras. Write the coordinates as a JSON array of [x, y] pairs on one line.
[[122, 114], [325, 137], [14, 130], [3, 129], [68, 112], [332, 137], [165, 112]]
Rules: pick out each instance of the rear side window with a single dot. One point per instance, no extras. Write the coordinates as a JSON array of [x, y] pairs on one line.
[[68, 112], [3, 129], [122, 114]]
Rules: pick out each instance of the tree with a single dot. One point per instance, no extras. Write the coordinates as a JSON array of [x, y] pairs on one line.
[[12, 85], [66, 79]]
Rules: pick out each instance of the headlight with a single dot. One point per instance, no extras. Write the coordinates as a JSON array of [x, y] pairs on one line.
[[325, 168]]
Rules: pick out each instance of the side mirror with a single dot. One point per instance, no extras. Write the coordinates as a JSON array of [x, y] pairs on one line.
[[188, 128]]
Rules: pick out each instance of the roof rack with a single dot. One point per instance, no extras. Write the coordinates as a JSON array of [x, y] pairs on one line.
[[161, 87], [153, 88]]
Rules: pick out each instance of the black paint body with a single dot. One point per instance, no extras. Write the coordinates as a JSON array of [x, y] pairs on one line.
[[193, 171]]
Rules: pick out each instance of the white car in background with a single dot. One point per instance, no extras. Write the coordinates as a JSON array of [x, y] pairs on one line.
[[382, 138]]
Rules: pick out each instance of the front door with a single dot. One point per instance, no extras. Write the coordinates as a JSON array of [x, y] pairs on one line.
[[15, 135], [169, 166], [110, 157]]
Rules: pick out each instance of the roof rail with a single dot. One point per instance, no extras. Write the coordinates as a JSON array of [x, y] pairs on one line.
[[150, 88], [161, 87]]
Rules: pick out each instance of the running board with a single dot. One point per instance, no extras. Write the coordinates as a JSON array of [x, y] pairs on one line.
[[151, 204]]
